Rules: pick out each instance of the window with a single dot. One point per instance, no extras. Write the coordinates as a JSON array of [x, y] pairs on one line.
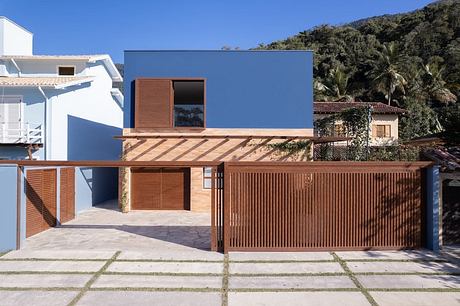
[[339, 130], [188, 103], [381, 131], [207, 177], [66, 70]]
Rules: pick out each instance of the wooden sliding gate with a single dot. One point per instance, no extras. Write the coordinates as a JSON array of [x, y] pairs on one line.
[[318, 206]]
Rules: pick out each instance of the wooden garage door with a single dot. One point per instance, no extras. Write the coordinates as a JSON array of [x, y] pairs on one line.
[[41, 200], [165, 188], [67, 195]]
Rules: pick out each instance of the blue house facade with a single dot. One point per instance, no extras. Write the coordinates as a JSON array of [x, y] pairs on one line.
[[189, 106], [244, 89]]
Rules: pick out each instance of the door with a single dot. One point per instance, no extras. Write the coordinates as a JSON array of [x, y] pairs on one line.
[[67, 195], [11, 114], [40, 200], [160, 189]]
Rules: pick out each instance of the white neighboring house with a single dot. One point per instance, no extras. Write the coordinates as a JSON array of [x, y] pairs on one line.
[[384, 124], [56, 107]]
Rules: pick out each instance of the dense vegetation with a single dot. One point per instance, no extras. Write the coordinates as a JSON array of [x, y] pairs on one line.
[[409, 60]]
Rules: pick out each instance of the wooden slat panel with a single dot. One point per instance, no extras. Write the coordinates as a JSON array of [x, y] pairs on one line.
[[291, 208], [153, 105], [49, 198], [145, 188], [34, 203], [160, 188], [40, 200], [67, 194], [175, 189]]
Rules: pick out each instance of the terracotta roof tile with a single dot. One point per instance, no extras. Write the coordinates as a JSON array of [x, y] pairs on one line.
[[42, 81]]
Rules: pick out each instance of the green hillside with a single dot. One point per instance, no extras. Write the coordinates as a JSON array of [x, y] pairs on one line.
[[409, 60]]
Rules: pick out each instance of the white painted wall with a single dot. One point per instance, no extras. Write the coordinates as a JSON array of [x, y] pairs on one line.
[[377, 119], [14, 39], [90, 103]]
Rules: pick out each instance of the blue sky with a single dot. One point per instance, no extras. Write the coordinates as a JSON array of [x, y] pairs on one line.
[[111, 26]]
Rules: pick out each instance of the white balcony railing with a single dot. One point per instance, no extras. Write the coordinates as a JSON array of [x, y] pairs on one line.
[[21, 133]]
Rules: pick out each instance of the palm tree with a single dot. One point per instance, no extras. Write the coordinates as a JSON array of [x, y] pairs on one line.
[[335, 86], [433, 84], [386, 75]]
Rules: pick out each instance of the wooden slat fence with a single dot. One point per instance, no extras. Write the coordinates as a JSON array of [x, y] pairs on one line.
[[320, 206]]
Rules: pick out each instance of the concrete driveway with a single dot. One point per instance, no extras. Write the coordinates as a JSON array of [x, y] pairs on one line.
[[108, 258]]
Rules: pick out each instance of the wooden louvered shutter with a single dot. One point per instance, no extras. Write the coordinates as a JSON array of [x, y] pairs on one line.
[[153, 103], [49, 198], [34, 203], [41, 200], [67, 194]]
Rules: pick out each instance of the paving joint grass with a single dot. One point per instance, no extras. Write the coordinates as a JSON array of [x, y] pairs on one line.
[[150, 289], [225, 278], [394, 260], [295, 290], [94, 278], [283, 261], [43, 272], [354, 279], [40, 288], [414, 289], [290, 274], [170, 260], [52, 259], [162, 274]]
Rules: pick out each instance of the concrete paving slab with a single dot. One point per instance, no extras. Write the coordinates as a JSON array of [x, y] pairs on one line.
[[59, 254], [400, 255], [51, 266], [417, 298], [167, 267], [277, 268], [142, 298], [150, 281], [409, 281], [46, 280], [403, 267], [36, 298], [290, 282], [277, 256], [193, 254], [297, 298]]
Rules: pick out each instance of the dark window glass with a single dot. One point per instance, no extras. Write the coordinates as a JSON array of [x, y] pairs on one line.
[[188, 103], [66, 70], [190, 115]]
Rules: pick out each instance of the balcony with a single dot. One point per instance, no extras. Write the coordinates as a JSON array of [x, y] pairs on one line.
[[21, 133]]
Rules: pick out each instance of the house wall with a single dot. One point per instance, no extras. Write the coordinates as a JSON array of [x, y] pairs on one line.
[[377, 119], [200, 198], [244, 89], [48, 67], [8, 204], [391, 120], [14, 39], [34, 114], [84, 121]]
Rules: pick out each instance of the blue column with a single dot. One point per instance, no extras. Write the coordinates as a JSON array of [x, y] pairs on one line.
[[432, 208]]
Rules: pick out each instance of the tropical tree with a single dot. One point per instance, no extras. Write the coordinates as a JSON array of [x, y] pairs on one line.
[[335, 87], [386, 74], [433, 85]]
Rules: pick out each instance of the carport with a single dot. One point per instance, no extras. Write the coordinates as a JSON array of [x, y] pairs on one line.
[[46, 196]]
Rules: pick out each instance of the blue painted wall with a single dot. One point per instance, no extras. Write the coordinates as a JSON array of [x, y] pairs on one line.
[[8, 206], [432, 208], [244, 89], [93, 185]]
